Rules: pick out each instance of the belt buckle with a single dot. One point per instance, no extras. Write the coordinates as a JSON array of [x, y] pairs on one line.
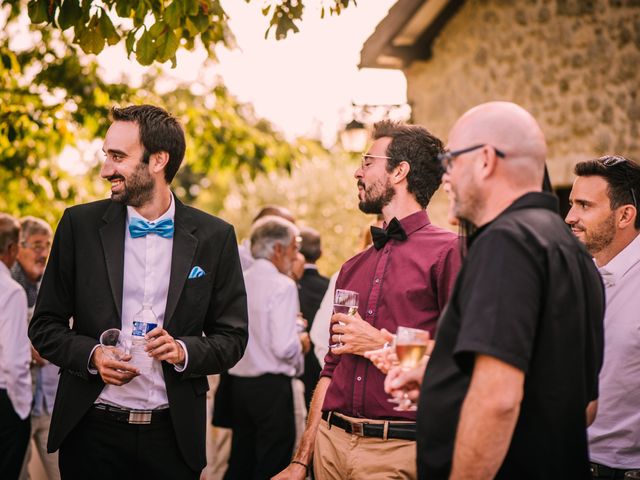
[[140, 417], [357, 428]]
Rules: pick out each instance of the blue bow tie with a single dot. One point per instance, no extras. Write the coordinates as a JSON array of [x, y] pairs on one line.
[[141, 228]]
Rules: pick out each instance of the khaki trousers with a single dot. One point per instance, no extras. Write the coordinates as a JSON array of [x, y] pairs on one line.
[[342, 456]]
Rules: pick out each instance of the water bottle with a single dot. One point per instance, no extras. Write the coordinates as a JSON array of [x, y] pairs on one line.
[[143, 322]]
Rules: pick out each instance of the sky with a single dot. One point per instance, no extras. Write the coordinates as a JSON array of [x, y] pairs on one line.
[[304, 85]]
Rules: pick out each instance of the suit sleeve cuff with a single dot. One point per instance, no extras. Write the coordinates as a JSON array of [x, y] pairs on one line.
[[182, 367], [91, 370]]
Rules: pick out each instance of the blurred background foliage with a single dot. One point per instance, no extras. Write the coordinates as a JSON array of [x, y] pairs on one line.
[[53, 104]]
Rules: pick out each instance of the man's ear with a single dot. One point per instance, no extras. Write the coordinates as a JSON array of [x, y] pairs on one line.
[[627, 216], [400, 172], [158, 161], [488, 162]]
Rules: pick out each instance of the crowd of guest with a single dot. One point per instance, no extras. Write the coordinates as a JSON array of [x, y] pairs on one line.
[[531, 369]]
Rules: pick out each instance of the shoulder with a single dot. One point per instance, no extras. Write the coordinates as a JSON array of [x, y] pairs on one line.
[[436, 237], [13, 291]]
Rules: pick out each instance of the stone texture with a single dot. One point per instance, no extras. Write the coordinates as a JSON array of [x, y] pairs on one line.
[[574, 64]]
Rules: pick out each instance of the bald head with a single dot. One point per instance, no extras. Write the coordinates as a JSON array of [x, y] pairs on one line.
[[512, 130]]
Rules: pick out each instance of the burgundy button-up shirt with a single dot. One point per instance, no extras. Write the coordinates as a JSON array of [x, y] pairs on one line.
[[405, 283]]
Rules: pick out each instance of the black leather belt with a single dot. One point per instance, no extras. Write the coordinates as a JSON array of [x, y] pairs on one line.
[[602, 471], [134, 417], [403, 431]]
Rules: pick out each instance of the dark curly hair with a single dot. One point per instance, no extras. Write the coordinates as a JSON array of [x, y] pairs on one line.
[[159, 132], [622, 176], [419, 148]]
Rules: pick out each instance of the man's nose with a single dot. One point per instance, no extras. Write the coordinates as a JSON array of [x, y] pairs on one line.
[[571, 217], [107, 169]]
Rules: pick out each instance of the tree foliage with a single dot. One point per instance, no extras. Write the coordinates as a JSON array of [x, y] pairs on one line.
[[155, 29]]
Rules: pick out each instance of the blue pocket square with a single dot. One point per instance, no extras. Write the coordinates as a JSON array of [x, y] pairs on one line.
[[196, 272]]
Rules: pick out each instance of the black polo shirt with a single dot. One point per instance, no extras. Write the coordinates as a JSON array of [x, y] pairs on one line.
[[528, 294]]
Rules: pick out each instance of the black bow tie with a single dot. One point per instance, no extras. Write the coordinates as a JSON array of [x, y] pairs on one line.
[[381, 236]]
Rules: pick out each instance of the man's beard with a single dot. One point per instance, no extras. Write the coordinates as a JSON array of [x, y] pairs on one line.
[[467, 207], [372, 204], [598, 238], [138, 188]]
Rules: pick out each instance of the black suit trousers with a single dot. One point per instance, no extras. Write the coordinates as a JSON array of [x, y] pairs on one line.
[[14, 438]]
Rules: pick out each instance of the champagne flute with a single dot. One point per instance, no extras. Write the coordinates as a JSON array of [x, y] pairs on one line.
[[344, 301], [411, 345]]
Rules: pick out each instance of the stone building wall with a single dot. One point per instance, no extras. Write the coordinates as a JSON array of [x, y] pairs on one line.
[[574, 64]]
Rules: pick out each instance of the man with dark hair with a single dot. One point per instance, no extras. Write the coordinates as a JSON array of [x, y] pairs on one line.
[[312, 287], [604, 216], [15, 356], [142, 248], [404, 279]]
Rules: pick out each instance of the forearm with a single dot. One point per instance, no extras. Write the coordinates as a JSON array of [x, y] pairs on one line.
[[304, 454]]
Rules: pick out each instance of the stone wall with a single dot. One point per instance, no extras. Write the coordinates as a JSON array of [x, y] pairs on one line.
[[574, 64]]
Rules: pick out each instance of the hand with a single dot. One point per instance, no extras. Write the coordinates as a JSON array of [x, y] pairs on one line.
[[305, 340], [36, 359], [400, 382], [293, 472], [112, 371], [301, 321], [383, 358], [356, 335], [164, 347]]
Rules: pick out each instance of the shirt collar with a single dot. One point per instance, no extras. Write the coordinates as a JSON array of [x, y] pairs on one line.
[[310, 266], [413, 222], [265, 264], [619, 265], [170, 213]]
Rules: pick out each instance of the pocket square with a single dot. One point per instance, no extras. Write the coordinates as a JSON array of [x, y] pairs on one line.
[[196, 272]]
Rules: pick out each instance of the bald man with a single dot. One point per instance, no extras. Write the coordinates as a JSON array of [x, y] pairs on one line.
[[519, 346]]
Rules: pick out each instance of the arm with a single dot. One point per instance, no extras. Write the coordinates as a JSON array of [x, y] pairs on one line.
[[304, 454], [592, 411], [447, 270], [16, 352], [225, 325], [283, 336], [487, 419]]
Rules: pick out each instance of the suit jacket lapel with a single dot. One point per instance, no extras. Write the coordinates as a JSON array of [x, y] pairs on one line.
[[184, 249], [112, 237]]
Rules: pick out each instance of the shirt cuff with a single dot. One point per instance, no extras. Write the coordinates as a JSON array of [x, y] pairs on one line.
[[181, 368], [92, 371]]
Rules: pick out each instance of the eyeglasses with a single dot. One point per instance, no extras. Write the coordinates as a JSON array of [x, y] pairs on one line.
[[612, 162], [366, 159], [37, 247], [446, 157]]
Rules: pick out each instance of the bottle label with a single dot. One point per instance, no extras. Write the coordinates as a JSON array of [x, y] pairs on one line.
[[140, 329]]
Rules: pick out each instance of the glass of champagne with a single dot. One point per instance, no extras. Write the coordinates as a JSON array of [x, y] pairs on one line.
[[411, 345], [344, 301]]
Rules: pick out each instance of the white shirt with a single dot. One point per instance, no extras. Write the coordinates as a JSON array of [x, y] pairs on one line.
[[246, 259], [15, 348], [319, 332], [147, 269], [614, 437], [274, 345]]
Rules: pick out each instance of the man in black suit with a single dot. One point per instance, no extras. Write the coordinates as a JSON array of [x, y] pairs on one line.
[[112, 418], [312, 288]]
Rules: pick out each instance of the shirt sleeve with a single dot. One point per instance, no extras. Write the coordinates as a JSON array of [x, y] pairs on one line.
[[501, 304], [16, 352], [319, 332], [448, 266], [331, 360], [283, 333]]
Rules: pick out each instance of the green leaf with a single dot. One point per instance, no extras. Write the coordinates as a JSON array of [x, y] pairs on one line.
[[38, 11], [123, 8], [145, 49], [91, 39], [173, 14], [201, 22], [191, 7], [166, 46], [108, 30], [131, 38], [70, 14], [140, 14], [158, 29]]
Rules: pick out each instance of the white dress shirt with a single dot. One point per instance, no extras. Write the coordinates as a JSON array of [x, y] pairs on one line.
[[147, 269], [319, 332], [15, 348], [614, 437], [274, 345], [246, 259]]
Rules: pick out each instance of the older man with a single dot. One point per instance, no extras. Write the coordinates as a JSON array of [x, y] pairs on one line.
[[35, 243], [519, 346], [353, 432], [263, 419], [15, 356], [604, 216]]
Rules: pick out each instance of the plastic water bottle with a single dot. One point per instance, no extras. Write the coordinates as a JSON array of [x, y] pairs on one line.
[[143, 322]]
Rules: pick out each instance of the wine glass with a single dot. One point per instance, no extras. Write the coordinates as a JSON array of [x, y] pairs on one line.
[[344, 301], [113, 344], [411, 345]]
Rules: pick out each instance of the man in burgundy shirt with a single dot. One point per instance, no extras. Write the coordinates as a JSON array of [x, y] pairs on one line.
[[404, 279]]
